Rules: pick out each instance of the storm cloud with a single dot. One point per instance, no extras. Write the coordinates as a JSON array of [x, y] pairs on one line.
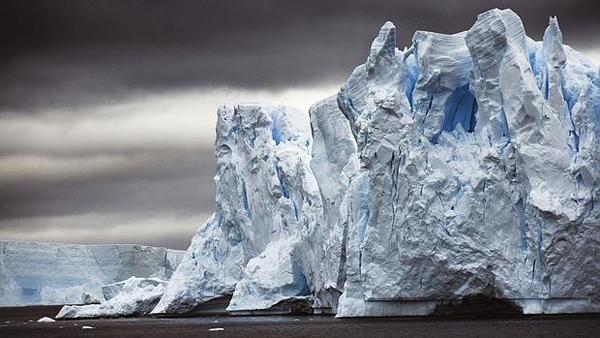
[[73, 53], [107, 108]]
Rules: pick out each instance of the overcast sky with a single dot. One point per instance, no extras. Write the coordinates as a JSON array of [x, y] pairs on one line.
[[108, 108]]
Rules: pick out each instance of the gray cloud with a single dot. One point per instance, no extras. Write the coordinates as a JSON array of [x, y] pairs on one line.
[[158, 181], [108, 107], [96, 173], [73, 53], [166, 229]]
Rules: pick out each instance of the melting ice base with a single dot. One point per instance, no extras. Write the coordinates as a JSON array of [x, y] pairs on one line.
[[464, 165]]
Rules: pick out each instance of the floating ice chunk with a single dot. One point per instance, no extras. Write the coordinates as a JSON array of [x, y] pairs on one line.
[[110, 291], [87, 298], [137, 297], [46, 320]]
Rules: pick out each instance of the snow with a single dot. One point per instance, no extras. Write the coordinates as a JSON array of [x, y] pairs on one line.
[[134, 296], [52, 273]]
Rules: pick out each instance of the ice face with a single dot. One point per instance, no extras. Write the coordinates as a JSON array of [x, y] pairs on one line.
[[267, 198], [462, 165], [480, 191], [49, 273], [321, 252], [269, 278]]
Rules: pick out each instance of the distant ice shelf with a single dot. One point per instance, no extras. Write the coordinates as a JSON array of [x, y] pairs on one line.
[[51, 273], [131, 297]]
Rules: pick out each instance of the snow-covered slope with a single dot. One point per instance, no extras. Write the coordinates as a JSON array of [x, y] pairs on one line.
[[463, 165], [50, 273]]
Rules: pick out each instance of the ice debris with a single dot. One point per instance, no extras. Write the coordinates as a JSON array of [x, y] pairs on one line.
[[46, 320], [132, 297]]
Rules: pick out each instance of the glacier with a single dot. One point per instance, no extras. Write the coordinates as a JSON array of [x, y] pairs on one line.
[[58, 273], [463, 165]]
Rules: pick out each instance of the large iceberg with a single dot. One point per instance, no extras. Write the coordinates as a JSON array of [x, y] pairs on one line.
[[55, 273], [464, 165]]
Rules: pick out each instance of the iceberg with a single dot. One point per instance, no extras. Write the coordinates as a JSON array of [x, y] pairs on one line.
[[470, 183], [461, 166], [45, 320], [132, 297], [55, 273]]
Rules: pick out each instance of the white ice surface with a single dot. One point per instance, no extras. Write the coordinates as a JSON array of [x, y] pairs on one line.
[[51, 273], [478, 153], [46, 320], [265, 193], [136, 297], [269, 278]]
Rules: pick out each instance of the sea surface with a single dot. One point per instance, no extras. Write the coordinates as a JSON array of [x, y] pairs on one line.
[[21, 322]]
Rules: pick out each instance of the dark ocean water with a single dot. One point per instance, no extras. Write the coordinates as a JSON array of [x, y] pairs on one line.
[[21, 322]]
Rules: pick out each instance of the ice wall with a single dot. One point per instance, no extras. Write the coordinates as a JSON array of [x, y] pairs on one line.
[[267, 197], [51, 273], [472, 172], [462, 165]]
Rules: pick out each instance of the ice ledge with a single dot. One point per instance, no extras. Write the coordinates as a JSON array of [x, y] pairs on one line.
[[476, 305]]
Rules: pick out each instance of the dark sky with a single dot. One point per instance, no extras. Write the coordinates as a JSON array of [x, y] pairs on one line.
[[107, 108]]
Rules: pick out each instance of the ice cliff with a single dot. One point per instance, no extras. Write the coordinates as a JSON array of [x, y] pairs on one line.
[[463, 165], [52, 273], [267, 198]]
